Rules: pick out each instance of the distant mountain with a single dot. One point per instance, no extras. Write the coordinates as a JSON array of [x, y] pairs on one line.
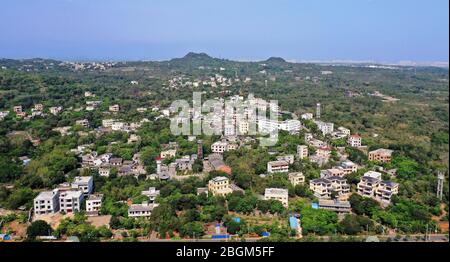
[[192, 55], [275, 60], [196, 60]]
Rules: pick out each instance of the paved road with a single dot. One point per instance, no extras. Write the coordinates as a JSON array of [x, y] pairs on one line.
[[411, 238]]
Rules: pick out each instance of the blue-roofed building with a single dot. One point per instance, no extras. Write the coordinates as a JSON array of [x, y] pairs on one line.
[[315, 206], [265, 234], [237, 219]]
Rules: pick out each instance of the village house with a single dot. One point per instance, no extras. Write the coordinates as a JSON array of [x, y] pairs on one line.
[[168, 153], [104, 171], [321, 187], [202, 190], [344, 130], [17, 109], [219, 186], [84, 184], [46, 202], [116, 161], [307, 116], [222, 146], [354, 140], [141, 210], [186, 162], [70, 201], [369, 183], [38, 107], [324, 127], [118, 126], [288, 158], [151, 193], [381, 155], [55, 110], [107, 123], [114, 108], [133, 139], [83, 123], [215, 162], [278, 194], [385, 191], [323, 152], [88, 94], [331, 172], [342, 207], [94, 204], [339, 185], [277, 167], [302, 151], [348, 167], [296, 178]]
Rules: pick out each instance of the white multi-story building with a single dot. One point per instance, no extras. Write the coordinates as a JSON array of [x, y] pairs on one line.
[[354, 141], [369, 183], [46, 202], [385, 191], [348, 167], [325, 127], [372, 186], [220, 186], [83, 183], [70, 201], [321, 187], [269, 125], [243, 127], [296, 178], [307, 116], [278, 194], [344, 130], [222, 146], [94, 204], [339, 185], [277, 167], [302, 151]]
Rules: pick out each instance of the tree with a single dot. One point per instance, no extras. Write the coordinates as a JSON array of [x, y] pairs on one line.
[[363, 205], [353, 224], [164, 219], [192, 229], [38, 228]]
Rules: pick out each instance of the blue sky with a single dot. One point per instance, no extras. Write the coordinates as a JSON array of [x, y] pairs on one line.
[[377, 30]]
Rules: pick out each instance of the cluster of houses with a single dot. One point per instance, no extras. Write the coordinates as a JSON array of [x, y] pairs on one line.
[[68, 197], [103, 163], [36, 111], [213, 81]]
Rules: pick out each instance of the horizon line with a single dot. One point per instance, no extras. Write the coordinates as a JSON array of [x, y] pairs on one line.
[[417, 63]]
